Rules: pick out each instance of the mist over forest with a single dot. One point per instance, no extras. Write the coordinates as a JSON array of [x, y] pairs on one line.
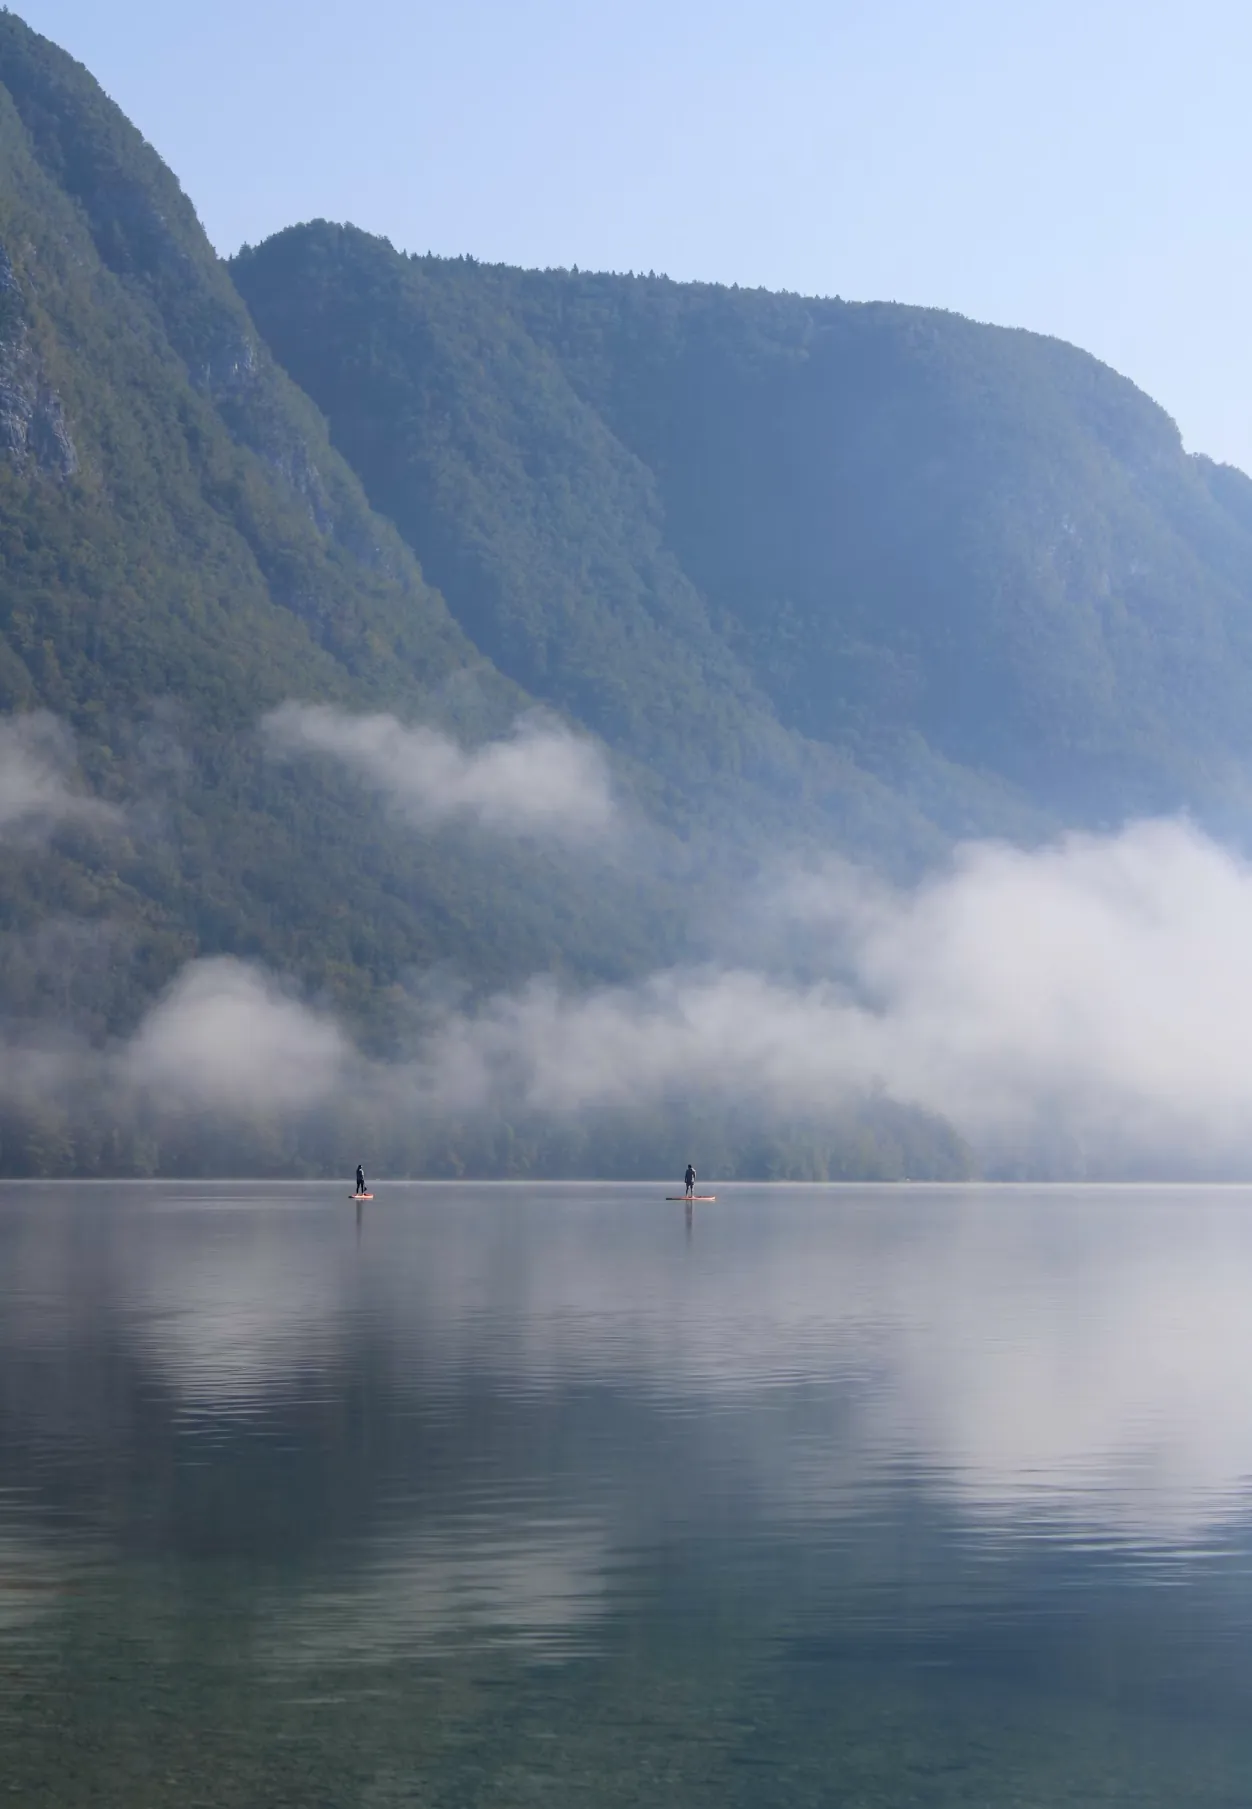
[[502, 722]]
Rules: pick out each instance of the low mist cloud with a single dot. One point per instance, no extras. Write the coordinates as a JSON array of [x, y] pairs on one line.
[[541, 780], [1083, 1007], [226, 1041], [39, 783], [228, 1038], [1098, 991], [1102, 985]]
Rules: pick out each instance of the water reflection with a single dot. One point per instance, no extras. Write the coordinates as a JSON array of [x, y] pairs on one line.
[[957, 1432], [533, 1583], [1087, 1351], [35, 1576]]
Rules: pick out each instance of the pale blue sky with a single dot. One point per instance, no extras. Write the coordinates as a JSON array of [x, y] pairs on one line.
[[1083, 167]]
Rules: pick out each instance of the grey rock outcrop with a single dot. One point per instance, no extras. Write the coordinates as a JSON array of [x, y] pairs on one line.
[[33, 428]]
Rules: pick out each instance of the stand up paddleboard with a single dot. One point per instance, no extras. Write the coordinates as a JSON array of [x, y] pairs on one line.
[[691, 1196], [360, 1196]]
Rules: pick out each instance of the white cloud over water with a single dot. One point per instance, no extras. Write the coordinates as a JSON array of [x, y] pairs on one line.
[[1092, 998], [1099, 988], [541, 780]]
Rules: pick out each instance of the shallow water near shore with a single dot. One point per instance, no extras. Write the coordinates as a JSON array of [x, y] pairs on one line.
[[541, 1495]]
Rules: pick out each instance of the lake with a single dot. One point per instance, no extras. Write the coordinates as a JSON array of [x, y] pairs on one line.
[[505, 1495]]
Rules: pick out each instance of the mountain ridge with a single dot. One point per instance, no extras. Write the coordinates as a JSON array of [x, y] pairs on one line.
[[204, 556], [922, 505], [795, 575]]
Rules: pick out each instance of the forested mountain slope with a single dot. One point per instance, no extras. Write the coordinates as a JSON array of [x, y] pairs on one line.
[[180, 550], [548, 537], [976, 562], [793, 576]]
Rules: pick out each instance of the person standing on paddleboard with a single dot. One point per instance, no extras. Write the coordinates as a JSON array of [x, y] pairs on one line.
[[690, 1179], [360, 1178]]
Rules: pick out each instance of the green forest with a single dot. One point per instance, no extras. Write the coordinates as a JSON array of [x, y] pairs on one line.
[[811, 575]]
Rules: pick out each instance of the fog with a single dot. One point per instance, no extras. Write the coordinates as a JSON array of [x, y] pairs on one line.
[[228, 1037], [1099, 989], [39, 781], [541, 780], [1084, 1006]]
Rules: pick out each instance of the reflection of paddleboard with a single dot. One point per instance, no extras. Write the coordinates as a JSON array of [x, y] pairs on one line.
[[360, 1196], [691, 1196]]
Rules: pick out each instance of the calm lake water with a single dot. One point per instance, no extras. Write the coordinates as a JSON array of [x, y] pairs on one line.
[[539, 1496]]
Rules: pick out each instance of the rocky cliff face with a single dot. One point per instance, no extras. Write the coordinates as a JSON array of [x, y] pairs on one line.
[[33, 428]]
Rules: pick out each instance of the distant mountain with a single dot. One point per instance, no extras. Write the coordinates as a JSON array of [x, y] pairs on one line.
[[785, 576], [975, 563]]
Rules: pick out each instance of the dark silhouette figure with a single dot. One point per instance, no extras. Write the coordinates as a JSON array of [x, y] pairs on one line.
[[690, 1179], [360, 1178]]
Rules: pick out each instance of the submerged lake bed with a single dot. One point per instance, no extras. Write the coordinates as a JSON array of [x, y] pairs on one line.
[[549, 1493]]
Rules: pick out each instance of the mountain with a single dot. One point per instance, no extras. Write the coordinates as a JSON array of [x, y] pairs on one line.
[[974, 563], [761, 578], [181, 552], [181, 549]]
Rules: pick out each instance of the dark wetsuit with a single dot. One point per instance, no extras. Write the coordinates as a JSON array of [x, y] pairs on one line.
[[690, 1177], [360, 1180]]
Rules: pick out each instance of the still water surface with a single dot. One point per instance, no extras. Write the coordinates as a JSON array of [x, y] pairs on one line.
[[538, 1495]]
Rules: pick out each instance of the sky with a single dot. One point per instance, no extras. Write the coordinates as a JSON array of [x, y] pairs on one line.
[[1078, 167]]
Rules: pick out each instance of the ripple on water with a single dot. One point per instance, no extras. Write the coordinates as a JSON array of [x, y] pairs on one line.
[[850, 1495]]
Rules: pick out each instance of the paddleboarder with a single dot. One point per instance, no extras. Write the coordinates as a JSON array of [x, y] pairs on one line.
[[360, 1178], [690, 1179]]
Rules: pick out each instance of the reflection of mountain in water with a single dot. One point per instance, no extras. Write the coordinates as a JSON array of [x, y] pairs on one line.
[[929, 1453], [1082, 1353]]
